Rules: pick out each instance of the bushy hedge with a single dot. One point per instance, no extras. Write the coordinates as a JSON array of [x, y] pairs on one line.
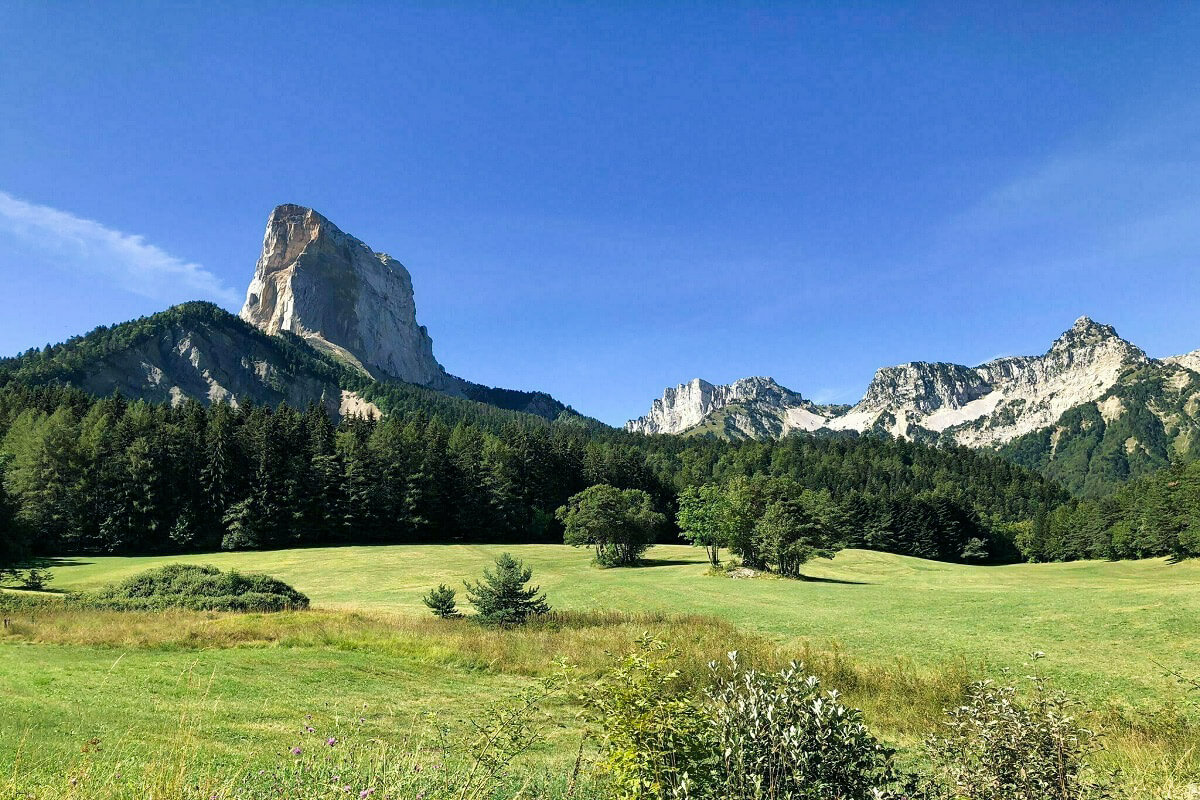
[[199, 588]]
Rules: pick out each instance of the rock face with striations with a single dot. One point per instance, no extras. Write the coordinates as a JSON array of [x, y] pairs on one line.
[[331, 289], [987, 405], [753, 408], [356, 305]]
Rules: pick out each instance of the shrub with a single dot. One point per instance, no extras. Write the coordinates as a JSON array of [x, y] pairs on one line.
[[36, 579], [751, 736], [779, 736], [502, 598], [441, 602], [199, 588], [999, 746], [653, 738]]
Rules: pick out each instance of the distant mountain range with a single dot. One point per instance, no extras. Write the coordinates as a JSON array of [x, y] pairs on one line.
[[1091, 411]]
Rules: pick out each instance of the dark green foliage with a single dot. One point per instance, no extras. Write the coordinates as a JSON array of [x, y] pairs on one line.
[[441, 602], [14, 545], [620, 525], [199, 588], [35, 579], [502, 597], [1154, 516], [112, 475]]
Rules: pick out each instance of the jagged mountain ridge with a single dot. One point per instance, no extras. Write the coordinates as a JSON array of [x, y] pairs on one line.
[[1010, 403], [321, 302]]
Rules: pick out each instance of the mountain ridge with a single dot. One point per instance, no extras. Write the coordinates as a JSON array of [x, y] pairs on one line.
[[1008, 402]]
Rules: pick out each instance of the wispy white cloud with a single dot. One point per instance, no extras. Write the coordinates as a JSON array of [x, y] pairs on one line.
[[127, 260], [1132, 198]]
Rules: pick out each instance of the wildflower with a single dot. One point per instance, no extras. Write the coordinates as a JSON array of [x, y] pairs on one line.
[[296, 751], [365, 793], [310, 729], [331, 741]]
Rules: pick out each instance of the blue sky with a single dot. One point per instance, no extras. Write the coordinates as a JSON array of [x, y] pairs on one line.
[[601, 200]]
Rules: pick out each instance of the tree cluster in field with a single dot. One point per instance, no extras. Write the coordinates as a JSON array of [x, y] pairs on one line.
[[1154, 516], [110, 475]]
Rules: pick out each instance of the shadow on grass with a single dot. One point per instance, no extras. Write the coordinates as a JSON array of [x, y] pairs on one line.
[[815, 579], [60, 562], [666, 562]]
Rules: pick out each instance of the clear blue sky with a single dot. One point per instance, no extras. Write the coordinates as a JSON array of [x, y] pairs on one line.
[[600, 201]]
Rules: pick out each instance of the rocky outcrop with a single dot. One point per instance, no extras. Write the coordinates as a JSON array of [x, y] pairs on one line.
[[343, 298], [356, 305], [976, 406], [1187, 360], [753, 408]]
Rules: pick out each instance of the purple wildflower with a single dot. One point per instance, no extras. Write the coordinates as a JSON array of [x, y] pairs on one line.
[[331, 741], [365, 793], [296, 751]]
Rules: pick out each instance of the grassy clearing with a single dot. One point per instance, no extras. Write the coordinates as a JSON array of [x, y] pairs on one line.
[[900, 636], [1103, 625]]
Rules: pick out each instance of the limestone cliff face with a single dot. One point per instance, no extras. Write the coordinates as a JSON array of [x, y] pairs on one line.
[[986, 405], [751, 408], [356, 305], [331, 289]]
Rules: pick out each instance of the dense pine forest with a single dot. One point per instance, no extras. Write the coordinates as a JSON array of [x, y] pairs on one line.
[[113, 475]]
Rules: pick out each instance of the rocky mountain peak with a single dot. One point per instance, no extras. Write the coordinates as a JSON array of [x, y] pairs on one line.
[[983, 405], [1086, 332], [324, 285]]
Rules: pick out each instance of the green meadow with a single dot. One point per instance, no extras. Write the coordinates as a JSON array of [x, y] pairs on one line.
[[94, 690]]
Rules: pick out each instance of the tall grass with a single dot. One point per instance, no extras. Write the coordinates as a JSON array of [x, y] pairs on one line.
[[902, 702]]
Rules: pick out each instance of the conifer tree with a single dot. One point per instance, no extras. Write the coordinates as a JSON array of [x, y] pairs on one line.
[[502, 596]]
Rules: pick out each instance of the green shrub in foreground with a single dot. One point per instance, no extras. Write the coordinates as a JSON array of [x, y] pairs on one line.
[[752, 736], [1001, 746], [441, 602], [198, 588]]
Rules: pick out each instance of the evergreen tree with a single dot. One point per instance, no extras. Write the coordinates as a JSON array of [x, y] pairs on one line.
[[441, 602], [502, 596]]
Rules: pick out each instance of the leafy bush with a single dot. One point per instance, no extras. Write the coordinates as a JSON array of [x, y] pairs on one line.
[[752, 736], [441, 602], [653, 737], [199, 588], [502, 598], [999, 746], [779, 736], [36, 579]]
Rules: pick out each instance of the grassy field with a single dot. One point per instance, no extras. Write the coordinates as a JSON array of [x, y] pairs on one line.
[[1101, 624], [901, 634]]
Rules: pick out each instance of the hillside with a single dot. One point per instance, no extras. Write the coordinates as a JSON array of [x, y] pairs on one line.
[[201, 352]]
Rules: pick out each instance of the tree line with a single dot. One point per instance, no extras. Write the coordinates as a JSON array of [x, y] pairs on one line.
[[112, 475], [1156, 516]]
